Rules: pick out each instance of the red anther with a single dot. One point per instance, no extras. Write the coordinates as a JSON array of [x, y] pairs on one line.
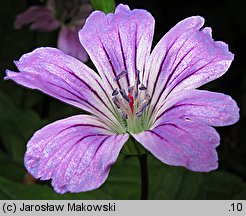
[[131, 103]]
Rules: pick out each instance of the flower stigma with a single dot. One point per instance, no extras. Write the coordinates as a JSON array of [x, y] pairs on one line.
[[131, 104]]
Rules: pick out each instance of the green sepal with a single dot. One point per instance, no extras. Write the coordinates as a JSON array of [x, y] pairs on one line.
[[133, 148]]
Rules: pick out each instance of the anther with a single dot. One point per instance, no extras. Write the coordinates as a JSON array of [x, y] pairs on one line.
[[116, 102], [143, 105], [124, 95], [115, 92], [120, 75], [139, 113], [146, 101], [124, 115], [130, 89], [142, 88]]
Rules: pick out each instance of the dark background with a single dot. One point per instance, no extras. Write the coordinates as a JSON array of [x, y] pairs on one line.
[[23, 111]]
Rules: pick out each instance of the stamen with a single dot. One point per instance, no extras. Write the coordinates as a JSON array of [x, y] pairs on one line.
[[117, 102], [120, 75], [115, 92], [137, 79], [146, 101], [130, 89], [139, 113], [135, 102], [124, 115], [135, 95], [142, 88], [143, 105], [124, 95]]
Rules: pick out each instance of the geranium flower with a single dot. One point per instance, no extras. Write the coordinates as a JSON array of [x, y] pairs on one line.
[[151, 97], [68, 15]]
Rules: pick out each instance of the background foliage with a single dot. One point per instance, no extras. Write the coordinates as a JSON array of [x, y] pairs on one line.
[[23, 111]]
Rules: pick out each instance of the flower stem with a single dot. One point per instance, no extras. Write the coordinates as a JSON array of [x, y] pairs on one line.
[[144, 176]]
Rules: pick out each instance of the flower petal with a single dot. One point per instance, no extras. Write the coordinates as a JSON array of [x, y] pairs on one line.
[[182, 143], [65, 78], [118, 42], [185, 58], [40, 18], [68, 42], [210, 108], [76, 153]]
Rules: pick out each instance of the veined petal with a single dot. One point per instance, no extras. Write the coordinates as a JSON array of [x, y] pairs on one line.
[[118, 42], [68, 42], [76, 153], [182, 143], [40, 18], [185, 58], [65, 78], [215, 109]]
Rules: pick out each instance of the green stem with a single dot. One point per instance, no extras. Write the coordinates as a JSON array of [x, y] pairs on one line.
[[144, 177]]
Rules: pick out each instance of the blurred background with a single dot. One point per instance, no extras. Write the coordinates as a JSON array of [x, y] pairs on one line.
[[23, 111]]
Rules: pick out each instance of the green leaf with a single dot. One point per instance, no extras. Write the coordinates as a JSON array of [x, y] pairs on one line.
[[17, 127], [224, 185], [124, 179], [107, 6], [122, 183], [12, 170], [169, 182], [13, 190]]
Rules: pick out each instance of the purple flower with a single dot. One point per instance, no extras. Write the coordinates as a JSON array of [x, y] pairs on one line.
[[149, 96], [68, 15]]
